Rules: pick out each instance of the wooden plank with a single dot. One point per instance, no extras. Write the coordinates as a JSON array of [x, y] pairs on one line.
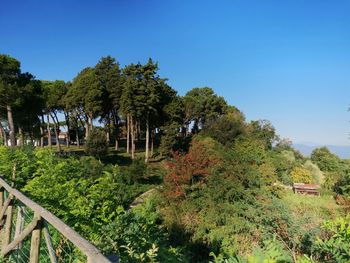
[[1, 202], [86, 247], [21, 236], [1, 197], [4, 208], [8, 223], [35, 244], [49, 245], [19, 223]]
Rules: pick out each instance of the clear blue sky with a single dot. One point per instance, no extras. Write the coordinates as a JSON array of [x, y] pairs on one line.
[[286, 61]]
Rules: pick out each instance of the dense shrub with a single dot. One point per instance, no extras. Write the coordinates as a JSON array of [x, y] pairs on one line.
[[168, 139], [96, 143], [226, 128], [22, 160], [335, 243], [137, 236], [209, 181]]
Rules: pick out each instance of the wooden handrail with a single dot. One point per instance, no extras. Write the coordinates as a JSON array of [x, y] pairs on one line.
[[92, 253]]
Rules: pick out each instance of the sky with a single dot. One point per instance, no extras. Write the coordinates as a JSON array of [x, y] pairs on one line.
[[285, 61]]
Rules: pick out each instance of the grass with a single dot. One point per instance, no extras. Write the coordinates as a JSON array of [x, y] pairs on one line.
[[313, 210]]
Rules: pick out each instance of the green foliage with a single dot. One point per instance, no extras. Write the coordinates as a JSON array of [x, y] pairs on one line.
[[306, 215], [83, 192], [135, 172], [136, 236], [284, 162], [9, 73], [209, 181], [96, 143], [21, 98], [336, 171], [264, 131], [22, 160], [341, 185], [272, 251], [223, 190], [249, 150], [316, 174], [201, 105], [325, 160], [225, 129], [334, 246], [168, 139], [85, 94]]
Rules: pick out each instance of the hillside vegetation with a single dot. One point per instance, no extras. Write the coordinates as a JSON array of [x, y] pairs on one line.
[[221, 186]]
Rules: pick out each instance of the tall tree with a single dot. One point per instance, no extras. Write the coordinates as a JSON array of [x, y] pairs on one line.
[[130, 101], [29, 108], [202, 104], [143, 99], [54, 94], [9, 89], [263, 130], [85, 97], [110, 83], [150, 92]]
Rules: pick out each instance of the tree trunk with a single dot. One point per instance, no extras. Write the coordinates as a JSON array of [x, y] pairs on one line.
[[107, 130], [90, 121], [21, 136], [57, 129], [132, 128], [49, 143], [56, 134], [77, 136], [152, 142], [87, 127], [42, 131], [138, 130], [116, 147], [127, 133], [11, 126], [82, 124], [147, 140], [3, 133], [66, 116]]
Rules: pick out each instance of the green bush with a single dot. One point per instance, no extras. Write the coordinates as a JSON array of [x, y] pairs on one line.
[[21, 159], [168, 139], [96, 143], [136, 236], [335, 244]]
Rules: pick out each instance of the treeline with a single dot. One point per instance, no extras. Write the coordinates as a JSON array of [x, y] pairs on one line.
[[133, 102]]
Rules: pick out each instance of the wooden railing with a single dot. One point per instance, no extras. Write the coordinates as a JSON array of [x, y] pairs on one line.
[[13, 234]]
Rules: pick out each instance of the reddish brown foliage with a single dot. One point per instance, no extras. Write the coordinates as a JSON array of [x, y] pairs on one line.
[[344, 202], [192, 168]]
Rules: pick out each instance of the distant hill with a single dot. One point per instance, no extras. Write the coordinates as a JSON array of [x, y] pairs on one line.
[[340, 150]]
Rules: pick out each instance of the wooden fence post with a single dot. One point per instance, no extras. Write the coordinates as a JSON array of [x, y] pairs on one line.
[[1, 197], [41, 216], [8, 222], [19, 223], [35, 243], [49, 245]]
